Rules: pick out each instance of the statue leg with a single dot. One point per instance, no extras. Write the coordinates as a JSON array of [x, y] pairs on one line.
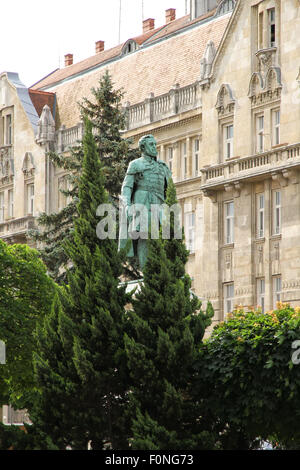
[[142, 253]]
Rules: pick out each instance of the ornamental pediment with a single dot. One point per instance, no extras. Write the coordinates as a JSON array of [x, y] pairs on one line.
[[265, 87]]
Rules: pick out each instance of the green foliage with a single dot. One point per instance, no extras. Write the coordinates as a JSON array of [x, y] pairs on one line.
[[248, 362], [164, 333], [25, 297], [108, 120], [80, 365]]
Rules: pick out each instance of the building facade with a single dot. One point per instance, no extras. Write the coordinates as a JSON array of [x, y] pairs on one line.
[[220, 91]]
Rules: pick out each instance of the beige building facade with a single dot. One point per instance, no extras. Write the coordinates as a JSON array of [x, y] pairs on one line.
[[220, 91]]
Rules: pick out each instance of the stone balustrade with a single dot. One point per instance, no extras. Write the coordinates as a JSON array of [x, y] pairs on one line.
[[66, 138], [156, 108], [16, 226], [279, 162]]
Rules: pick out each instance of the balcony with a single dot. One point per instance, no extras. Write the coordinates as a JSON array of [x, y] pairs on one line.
[[279, 163], [156, 108], [16, 228]]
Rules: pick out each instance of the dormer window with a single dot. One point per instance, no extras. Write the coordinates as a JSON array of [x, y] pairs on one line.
[[130, 46]]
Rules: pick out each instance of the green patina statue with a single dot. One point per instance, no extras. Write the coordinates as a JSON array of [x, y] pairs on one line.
[[145, 184]]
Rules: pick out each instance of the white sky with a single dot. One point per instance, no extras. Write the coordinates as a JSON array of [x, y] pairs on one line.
[[36, 35]]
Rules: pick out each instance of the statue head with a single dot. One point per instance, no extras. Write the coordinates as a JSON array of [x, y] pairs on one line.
[[147, 145]]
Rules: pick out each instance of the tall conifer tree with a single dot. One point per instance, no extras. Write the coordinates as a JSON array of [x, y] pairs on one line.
[[81, 366], [167, 327]]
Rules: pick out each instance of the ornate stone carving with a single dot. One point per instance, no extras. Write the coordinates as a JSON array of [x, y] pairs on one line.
[[46, 127], [7, 170], [225, 100], [28, 167]]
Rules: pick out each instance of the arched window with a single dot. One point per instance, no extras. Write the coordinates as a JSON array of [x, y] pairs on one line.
[[129, 47]]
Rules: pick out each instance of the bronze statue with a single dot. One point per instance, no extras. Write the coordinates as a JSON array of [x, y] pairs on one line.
[[145, 187]]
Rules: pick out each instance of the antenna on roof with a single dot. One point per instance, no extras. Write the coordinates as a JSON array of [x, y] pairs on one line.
[[143, 15], [120, 18], [186, 7]]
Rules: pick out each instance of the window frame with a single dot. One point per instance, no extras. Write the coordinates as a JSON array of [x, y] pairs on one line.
[[30, 198], [10, 203], [184, 160], [277, 212], [190, 230], [228, 223], [196, 156], [228, 298], [272, 32], [228, 141], [2, 206], [260, 132], [261, 293], [170, 158], [276, 126], [277, 290], [260, 211]]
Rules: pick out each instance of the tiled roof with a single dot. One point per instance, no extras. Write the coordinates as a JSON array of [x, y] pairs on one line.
[[40, 98], [155, 68], [104, 56]]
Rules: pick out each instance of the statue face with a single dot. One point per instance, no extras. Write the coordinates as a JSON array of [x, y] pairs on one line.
[[149, 147]]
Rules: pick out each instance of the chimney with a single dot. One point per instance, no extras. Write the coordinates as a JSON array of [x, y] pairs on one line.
[[68, 60], [148, 25], [170, 15], [99, 46]]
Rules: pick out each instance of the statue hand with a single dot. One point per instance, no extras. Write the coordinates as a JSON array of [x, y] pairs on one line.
[[128, 216]]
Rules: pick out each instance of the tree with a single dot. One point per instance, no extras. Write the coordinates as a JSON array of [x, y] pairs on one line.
[[115, 152], [25, 296], [250, 360], [162, 343], [81, 366]]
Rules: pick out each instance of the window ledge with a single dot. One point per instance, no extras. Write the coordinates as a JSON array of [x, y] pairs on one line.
[[277, 236]]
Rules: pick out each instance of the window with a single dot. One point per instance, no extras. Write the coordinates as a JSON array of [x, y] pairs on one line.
[[260, 123], [261, 288], [228, 141], [276, 126], [10, 203], [276, 212], [229, 222], [2, 207], [184, 164], [170, 158], [261, 30], [196, 156], [190, 232], [228, 298], [30, 198], [276, 290], [272, 27], [260, 215], [8, 130]]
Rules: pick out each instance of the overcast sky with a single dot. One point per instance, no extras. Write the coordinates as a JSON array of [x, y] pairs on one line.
[[36, 35]]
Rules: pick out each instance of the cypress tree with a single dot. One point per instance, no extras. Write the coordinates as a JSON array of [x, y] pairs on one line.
[[81, 365], [105, 113], [162, 346]]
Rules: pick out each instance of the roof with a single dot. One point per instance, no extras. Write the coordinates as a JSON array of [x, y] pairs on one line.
[[24, 98], [40, 99], [167, 56]]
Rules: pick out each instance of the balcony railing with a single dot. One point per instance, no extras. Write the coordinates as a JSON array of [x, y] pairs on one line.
[[153, 109], [16, 226], [156, 108], [275, 161]]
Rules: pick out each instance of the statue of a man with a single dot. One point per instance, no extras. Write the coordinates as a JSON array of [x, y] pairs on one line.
[[145, 184]]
